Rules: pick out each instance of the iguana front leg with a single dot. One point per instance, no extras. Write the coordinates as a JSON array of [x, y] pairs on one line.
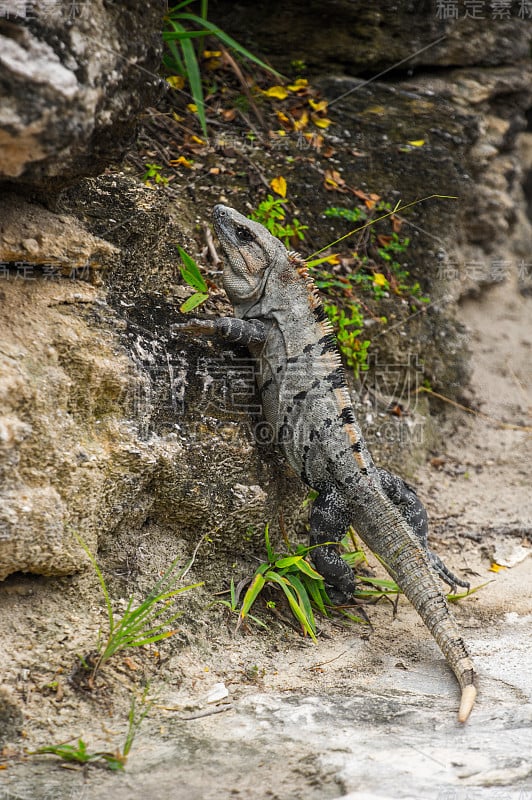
[[405, 498], [238, 331]]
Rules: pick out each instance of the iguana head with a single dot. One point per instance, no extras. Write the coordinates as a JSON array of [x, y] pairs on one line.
[[251, 252]]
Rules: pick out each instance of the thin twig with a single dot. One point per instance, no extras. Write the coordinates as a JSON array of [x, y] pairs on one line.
[[238, 72], [205, 712], [215, 258], [506, 425]]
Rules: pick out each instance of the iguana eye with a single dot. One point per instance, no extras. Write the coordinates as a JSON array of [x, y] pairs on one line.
[[244, 234]]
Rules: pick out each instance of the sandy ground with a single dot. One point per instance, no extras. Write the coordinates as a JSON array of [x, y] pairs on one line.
[[361, 714]]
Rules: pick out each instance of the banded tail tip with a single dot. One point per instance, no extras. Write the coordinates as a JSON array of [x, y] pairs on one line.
[[466, 702]]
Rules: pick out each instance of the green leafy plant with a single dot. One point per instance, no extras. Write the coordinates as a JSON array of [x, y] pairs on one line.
[[348, 328], [191, 275], [386, 274], [141, 624], [272, 214], [153, 171], [182, 27], [80, 754], [348, 214], [299, 582], [303, 587], [115, 761]]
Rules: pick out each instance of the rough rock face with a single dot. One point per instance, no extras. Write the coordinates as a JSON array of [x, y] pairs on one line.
[[140, 442], [94, 435], [357, 37], [74, 76]]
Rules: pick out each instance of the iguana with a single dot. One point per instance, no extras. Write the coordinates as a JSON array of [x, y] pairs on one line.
[[305, 399]]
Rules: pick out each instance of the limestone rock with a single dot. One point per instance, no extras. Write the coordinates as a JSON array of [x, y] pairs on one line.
[[74, 76], [354, 36], [108, 427], [35, 241]]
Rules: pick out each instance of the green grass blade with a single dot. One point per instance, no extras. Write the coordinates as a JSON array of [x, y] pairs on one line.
[[289, 561], [362, 593], [252, 593], [454, 598], [304, 601], [382, 583], [101, 580], [314, 590], [194, 80], [291, 595], [173, 10], [353, 617], [228, 40], [269, 550], [304, 567], [150, 639], [184, 35]]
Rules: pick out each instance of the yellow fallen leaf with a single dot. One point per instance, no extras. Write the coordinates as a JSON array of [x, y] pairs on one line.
[[301, 83], [175, 162], [281, 116], [212, 53], [176, 81], [279, 185], [374, 110], [329, 182], [177, 117], [321, 122], [417, 143], [317, 106], [276, 91], [496, 567], [333, 180], [196, 140], [380, 280], [192, 107], [301, 123]]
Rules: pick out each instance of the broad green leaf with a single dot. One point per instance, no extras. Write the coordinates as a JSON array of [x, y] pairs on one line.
[[305, 567], [190, 272], [287, 562], [192, 302], [251, 595]]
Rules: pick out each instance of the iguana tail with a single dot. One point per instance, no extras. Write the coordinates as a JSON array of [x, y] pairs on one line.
[[383, 529]]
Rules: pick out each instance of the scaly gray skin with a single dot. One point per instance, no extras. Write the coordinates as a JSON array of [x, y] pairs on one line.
[[279, 316]]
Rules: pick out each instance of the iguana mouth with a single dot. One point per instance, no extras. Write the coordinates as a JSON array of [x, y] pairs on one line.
[[223, 222]]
